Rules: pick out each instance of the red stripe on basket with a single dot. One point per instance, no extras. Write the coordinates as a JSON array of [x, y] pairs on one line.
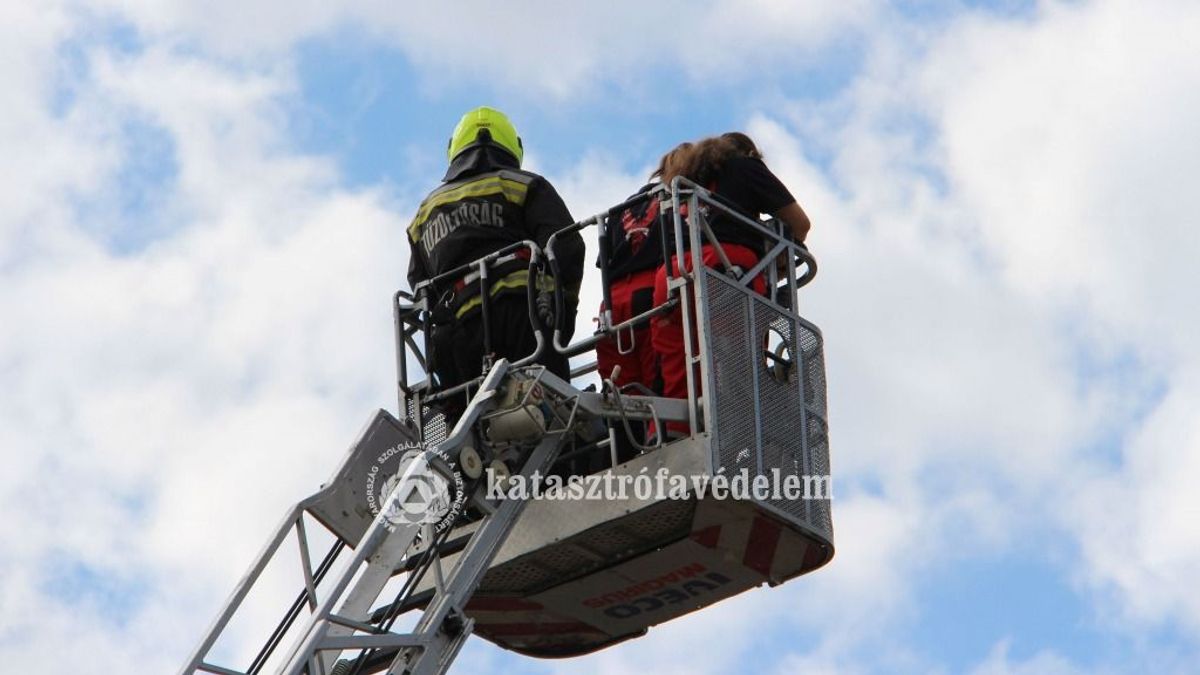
[[708, 537], [760, 549]]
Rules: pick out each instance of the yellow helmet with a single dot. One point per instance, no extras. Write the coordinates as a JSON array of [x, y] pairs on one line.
[[499, 129]]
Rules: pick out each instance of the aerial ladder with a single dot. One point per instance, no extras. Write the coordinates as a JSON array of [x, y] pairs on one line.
[[433, 545]]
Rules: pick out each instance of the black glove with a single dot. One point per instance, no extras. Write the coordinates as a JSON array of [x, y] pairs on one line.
[[545, 308], [799, 257]]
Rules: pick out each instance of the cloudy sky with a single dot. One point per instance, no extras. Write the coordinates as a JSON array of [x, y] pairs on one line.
[[201, 220]]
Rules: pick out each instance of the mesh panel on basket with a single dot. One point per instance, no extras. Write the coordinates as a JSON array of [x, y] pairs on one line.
[[817, 429], [814, 368], [782, 411], [790, 411], [818, 449], [732, 361]]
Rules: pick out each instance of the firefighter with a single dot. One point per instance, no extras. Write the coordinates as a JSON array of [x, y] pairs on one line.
[[486, 202]]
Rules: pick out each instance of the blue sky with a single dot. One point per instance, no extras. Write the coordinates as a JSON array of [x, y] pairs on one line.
[[369, 107], [202, 223]]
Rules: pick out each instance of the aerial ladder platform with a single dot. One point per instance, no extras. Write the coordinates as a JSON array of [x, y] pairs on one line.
[[432, 541]]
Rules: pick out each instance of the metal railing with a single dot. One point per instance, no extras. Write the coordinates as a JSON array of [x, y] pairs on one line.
[[683, 229], [724, 319]]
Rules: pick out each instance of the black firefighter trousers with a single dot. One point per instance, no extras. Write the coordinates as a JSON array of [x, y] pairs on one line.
[[458, 349]]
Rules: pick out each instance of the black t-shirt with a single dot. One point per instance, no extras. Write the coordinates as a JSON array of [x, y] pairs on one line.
[[747, 185]]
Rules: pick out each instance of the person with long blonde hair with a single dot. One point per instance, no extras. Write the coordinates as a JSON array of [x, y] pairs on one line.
[[732, 168]]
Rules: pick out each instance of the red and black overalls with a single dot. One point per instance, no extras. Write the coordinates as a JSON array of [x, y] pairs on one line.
[[635, 254], [747, 185]]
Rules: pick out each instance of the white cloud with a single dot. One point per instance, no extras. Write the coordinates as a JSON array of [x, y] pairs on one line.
[[545, 48], [1007, 194], [1069, 141], [996, 195], [163, 404]]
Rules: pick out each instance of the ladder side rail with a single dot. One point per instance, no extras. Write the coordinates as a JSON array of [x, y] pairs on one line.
[[371, 548], [442, 645], [382, 546], [293, 518], [198, 656], [477, 549], [374, 658], [293, 612]]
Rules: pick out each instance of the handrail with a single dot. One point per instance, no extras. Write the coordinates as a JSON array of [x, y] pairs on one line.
[[801, 254], [466, 268], [605, 327], [413, 309]]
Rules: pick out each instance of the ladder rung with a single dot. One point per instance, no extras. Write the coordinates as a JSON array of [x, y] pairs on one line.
[[356, 625], [210, 668], [343, 642]]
